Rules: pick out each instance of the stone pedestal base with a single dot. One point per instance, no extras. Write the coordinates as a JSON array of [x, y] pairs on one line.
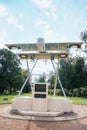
[[39, 105], [42, 105], [60, 104]]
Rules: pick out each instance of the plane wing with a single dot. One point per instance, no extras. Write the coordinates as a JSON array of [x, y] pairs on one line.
[[47, 55], [48, 46], [51, 51]]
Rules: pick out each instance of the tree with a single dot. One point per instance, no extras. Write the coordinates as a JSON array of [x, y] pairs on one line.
[[10, 71], [73, 73], [83, 36], [66, 72], [51, 80], [79, 73], [27, 87], [42, 78]]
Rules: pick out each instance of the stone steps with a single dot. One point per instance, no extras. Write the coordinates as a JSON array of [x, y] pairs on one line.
[[40, 114]]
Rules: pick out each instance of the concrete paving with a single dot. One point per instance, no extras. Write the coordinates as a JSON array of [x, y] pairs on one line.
[[79, 111], [18, 124]]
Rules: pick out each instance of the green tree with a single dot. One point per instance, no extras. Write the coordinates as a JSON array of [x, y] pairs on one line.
[[66, 72], [10, 72], [83, 36], [73, 73], [79, 73], [27, 87], [42, 78], [51, 80]]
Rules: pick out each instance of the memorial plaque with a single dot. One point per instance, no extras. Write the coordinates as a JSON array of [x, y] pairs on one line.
[[40, 90], [40, 87], [39, 95]]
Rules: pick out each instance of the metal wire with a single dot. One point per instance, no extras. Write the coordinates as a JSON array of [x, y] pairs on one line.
[[57, 75], [28, 77]]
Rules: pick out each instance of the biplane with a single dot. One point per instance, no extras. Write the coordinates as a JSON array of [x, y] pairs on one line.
[[42, 50]]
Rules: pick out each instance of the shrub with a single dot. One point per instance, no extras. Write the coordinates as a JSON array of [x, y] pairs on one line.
[[50, 91], [59, 92], [76, 92], [83, 91]]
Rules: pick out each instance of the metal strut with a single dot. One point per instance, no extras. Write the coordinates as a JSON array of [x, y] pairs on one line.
[[57, 75], [55, 86], [28, 78]]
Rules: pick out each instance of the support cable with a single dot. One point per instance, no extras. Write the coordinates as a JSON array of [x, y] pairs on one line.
[[28, 78], [55, 87], [57, 74]]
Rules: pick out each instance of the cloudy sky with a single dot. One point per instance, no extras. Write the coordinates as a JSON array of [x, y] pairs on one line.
[[55, 20], [23, 21]]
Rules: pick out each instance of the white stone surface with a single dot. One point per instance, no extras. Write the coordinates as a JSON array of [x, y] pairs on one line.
[[22, 103], [42, 105], [39, 104], [60, 104], [34, 113]]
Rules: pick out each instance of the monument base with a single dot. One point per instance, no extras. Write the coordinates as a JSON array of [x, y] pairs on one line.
[[40, 105], [40, 114]]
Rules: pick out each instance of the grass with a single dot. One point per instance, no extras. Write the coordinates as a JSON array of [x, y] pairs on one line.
[[78, 101], [8, 98]]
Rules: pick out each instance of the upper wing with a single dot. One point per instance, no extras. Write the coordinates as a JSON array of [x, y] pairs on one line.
[[52, 50], [23, 46], [48, 46]]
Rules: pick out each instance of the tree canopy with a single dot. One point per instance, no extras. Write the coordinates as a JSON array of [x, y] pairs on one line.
[[10, 71], [73, 73]]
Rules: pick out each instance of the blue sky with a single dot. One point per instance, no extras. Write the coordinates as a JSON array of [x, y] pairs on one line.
[[23, 21]]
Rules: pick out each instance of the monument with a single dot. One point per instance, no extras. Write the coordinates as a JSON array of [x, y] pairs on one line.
[[40, 104]]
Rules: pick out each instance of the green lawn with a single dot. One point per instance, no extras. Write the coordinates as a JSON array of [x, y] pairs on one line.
[[79, 101], [8, 99]]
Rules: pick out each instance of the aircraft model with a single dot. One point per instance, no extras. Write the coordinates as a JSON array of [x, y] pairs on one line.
[[42, 50]]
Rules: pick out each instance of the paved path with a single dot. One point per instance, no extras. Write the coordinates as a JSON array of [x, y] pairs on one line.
[[15, 124], [12, 124]]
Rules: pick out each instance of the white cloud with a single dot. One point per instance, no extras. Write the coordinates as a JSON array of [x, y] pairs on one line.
[[48, 33], [20, 27], [54, 14], [3, 36], [43, 4], [63, 39], [14, 21], [11, 20], [48, 7], [40, 22], [1, 40], [3, 11]]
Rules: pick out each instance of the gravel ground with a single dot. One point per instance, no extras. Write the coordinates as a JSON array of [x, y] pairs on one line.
[[15, 124], [12, 124]]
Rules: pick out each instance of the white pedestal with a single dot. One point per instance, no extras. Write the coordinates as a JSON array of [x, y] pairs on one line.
[[42, 105], [60, 105], [22, 103], [39, 105]]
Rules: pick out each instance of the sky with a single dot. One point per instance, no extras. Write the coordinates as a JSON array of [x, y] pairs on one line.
[[23, 21]]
